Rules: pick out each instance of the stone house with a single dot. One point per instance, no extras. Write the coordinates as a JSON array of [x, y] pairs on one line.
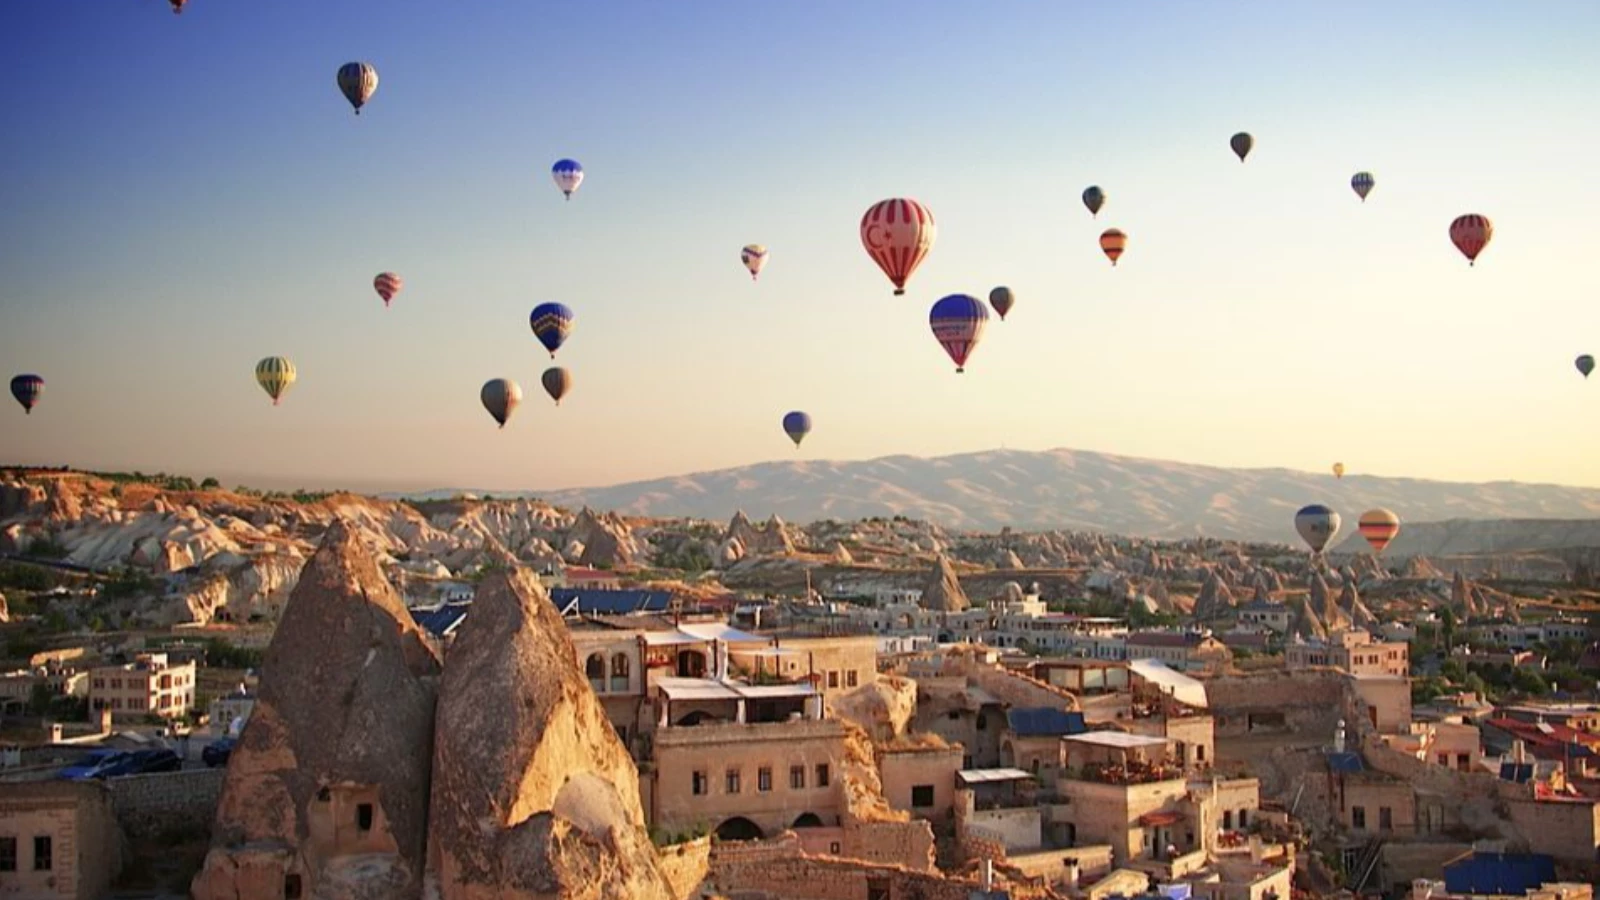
[[58, 839], [920, 778]]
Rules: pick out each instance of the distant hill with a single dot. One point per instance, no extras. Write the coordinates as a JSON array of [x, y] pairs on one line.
[[1076, 490]]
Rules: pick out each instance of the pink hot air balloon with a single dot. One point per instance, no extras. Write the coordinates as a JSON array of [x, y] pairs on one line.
[[1470, 234], [388, 284], [898, 234]]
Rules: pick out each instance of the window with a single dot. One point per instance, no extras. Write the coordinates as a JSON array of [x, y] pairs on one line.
[[732, 781], [291, 887], [1385, 819], [1358, 817], [619, 673], [43, 853], [699, 787], [822, 775], [1444, 759], [834, 848], [797, 777], [1200, 752], [1463, 761], [764, 779], [364, 816], [954, 714], [8, 854], [921, 796], [595, 670], [324, 795], [850, 678], [833, 679], [1227, 820], [1242, 815]]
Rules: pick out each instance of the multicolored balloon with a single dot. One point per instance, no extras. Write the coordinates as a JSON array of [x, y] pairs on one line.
[[797, 425], [500, 397], [1585, 364], [1002, 299], [568, 174], [1241, 144], [557, 381], [1338, 470], [551, 323], [1379, 527], [358, 81], [276, 375], [388, 284], [898, 234], [754, 257], [177, 6], [1112, 243], [27, 389], [1094, 198], [1317, 525], [958, 321], [1362, 183], [1471, 233]]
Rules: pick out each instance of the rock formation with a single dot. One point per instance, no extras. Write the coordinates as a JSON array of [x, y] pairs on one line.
[[1303, 620], [607, 540], [327, 791], [1215, 599], [1009, 560], [1323, 606], [1350, 603], [882, 707], [534, 798], [942, 591], [5, 611], [840, 556]]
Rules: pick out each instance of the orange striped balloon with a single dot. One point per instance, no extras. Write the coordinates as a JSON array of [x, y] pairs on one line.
[[1470, 234], [388, 284], [1113, 241], [1379, 527]]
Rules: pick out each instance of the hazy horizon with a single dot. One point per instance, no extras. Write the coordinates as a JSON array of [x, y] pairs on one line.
[[187, 194]]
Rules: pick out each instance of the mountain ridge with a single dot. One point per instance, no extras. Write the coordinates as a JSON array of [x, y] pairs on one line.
[[1066, 488]]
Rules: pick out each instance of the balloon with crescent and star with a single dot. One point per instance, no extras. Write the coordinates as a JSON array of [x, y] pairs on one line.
[[898, 234]]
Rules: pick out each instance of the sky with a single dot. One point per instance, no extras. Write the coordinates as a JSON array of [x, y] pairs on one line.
[[181, 196]]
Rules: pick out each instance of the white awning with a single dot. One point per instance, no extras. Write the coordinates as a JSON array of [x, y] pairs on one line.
[[1182, 688], [981, 776], [773, 691], [1118, 739], [721, 631], [696, 689]]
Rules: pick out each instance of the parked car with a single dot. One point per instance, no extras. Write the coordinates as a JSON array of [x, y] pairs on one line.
[[92, 765], [156, 760], [218, 752]]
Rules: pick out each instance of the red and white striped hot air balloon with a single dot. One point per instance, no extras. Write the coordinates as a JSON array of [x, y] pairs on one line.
[[898, 234], [1379, 527], [388, 284], [1470, 234]]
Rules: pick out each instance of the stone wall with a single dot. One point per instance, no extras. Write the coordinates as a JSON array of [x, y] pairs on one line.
[[1016, 689], [808, 878], [1309, 703], [1569, 831], [146, 805], [908, 844], [686, 865], [1405, 862]]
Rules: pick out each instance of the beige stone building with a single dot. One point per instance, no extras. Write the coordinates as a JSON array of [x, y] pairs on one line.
[[1352, 651], [747, 780], [1183, 652], [148, 685], [920, 777], [58, 839], [1387, 699], [837, 664], [16, 688]]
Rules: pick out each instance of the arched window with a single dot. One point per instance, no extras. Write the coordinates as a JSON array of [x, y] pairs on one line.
[[619, 673], [595, 671]]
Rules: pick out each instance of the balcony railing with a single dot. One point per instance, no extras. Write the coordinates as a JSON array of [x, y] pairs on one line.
[[1133, 772]]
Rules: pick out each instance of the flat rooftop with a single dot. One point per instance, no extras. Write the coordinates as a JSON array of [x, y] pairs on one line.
[[1116, 739]]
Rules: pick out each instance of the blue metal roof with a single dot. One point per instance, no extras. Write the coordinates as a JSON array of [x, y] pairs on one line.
[[1042, 720], [441, 621], [1345, 762], [598, 601], [1499, 873]]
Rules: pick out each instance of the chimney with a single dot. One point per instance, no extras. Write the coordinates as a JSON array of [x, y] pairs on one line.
[[987, 874], [53, 729], [105, 720], [1256, 852], [1338, 737], [1519, 752], [1072, 875]]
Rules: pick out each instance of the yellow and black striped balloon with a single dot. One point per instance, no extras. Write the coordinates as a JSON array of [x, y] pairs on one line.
[[275, 374]]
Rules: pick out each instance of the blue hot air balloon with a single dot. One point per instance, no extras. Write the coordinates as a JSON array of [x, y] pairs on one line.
[[27, 388], [568, 174], [797, 425], [1317, 525], [957, 322], [551, 322]]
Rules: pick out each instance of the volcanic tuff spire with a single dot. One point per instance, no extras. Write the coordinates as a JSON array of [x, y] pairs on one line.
[[534, 798], [338, 739], [942, 591]]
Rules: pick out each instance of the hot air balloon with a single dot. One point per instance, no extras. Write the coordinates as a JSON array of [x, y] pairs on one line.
[[1379, 527], [1113, 241], [1241, 144], [358, 81], [1471, 233], [177, 6], [27, 389], [500, 397], [898, 234], [388, 284], [1317, 525], [1585, 364], [1002, 299], [568, 174], [551, 323], [1361, 183], [797, 425], [275, 375], [754, 257], [557, 381], [1094, 198], [957, 322], [1338, 470]]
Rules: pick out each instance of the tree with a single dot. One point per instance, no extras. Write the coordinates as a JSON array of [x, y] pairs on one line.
[[1447, 628], [210, 484], [1453, 670], [1527, 681]]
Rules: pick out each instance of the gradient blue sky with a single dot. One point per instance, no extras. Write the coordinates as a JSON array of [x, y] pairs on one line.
[[181, 196]]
